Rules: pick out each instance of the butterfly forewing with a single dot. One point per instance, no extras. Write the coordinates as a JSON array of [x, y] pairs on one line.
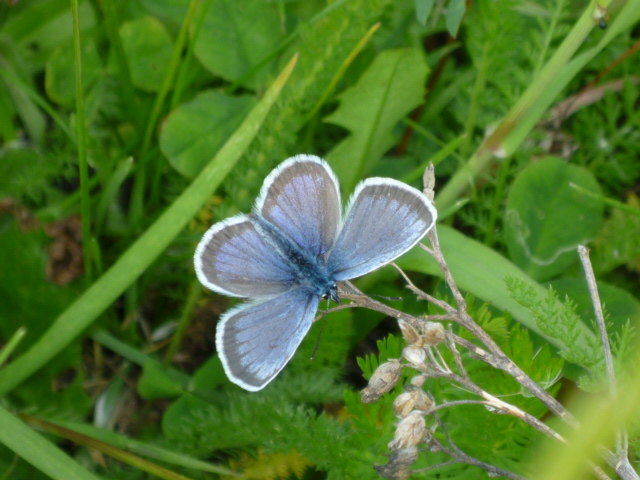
[[385, 218], [234, 259], [255, 341], [301, 197]]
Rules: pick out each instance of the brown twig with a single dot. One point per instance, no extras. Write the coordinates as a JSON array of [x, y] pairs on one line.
[[491, 354], [621, 457]]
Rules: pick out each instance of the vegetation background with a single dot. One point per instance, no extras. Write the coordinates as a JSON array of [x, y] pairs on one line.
[[128, 127]]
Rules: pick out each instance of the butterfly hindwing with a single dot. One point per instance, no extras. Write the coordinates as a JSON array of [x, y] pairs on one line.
[[256, 340]]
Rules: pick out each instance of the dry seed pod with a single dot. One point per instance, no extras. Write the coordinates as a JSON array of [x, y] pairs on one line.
[[403, 404], [399, 466], [408, 332], [433, 333], [422, 401], [382, 381], [429, 181], [414, 355], [418, 381], [407, 402], [410, 432]]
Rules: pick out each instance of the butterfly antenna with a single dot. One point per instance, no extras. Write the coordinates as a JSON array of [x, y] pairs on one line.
[[390, 299], [324, 324], [353, 290]]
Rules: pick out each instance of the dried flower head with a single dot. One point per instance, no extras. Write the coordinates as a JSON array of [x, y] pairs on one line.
[[418, 381], [403, 404], [423, 402], [414, 355], [410, 432], [399, 466], [433, 333], [382, 381], [413, 399], [408, 332]]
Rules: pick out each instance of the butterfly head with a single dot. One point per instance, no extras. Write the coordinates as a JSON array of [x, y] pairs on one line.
[[332, 293]]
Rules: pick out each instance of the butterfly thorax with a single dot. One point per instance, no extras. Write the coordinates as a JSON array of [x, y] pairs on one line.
[[311, 271]]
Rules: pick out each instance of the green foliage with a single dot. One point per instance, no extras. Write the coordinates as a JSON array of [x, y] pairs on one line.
[[546, 219], [323, 46], [618, 242], [558, 322], [28, 175], [165, 85], [59, 81], [197, 128], [390, 88], [389, 348], [147, 46], [26, 300], [621, 306], [275, 422]]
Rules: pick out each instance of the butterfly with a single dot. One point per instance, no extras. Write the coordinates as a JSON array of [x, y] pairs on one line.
[[291, 251]]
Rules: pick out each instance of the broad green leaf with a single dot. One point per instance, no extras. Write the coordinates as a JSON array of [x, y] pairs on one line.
[[200, 127], [59, 72], [455, 14], [390, 88], [546, 219], [423, 9], [148, 47], [169, 10], [237, 36], [481, 271]]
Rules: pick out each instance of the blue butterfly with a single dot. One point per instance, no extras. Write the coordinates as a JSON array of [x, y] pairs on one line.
[[291, 250]]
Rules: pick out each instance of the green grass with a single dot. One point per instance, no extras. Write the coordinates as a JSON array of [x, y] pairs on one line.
[[128, 128]]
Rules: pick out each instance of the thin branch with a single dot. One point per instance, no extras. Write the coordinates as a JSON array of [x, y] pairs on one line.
[[492, 354], [462, 457], [597, 307], [622, 439], [437, 255], [454, 351], [503, 407]]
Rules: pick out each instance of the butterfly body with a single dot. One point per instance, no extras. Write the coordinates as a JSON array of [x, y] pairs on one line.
[[310, 269], [291, 250]]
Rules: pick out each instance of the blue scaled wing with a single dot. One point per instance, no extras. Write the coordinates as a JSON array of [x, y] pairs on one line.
[[384, 219], [256, 340], [302, 198], [234, 259]]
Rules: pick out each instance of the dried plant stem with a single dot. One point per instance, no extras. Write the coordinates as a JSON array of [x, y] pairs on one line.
[[597, 307], [621, 457], [502, 361], [476, 352], [493, 355]]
